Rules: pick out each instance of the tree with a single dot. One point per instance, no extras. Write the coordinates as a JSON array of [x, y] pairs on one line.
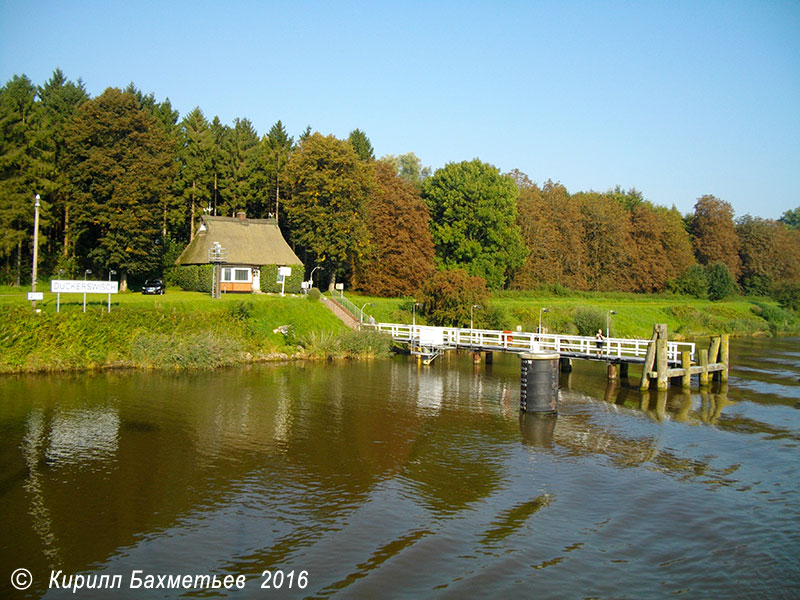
[[361, 144], [759, 253], [714, 234], [165, 117], [474, 220], [121, 166], [59, 99], [400, 257], [242, 170], [552, 228], [676, 244], [606, 237], [448, 296], [19, 171], [791, 218], [196, 172], [328, 187], [219, 159], [409, 167], [279, 146]]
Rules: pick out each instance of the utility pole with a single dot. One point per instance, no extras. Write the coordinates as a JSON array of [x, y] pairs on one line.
[[34, 274]]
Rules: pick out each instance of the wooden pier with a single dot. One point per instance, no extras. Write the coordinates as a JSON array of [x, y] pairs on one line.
[[663, 362]]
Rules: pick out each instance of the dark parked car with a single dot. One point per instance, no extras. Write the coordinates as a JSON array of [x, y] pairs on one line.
[[154, 286]]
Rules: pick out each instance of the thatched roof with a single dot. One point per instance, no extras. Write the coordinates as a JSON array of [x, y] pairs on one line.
[[248, 242]]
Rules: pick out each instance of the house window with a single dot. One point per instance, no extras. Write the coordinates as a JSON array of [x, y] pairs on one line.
[[237, 275]]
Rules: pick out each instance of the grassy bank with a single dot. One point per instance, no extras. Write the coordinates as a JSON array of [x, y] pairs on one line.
[[635, 316], [180, 330], [189, 330]]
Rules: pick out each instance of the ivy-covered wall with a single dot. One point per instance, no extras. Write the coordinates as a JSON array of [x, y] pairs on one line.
[[269, 278]]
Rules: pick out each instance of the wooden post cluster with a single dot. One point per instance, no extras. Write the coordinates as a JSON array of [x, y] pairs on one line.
[[713, 363]]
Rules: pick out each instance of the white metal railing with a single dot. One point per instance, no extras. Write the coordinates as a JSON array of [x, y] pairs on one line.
[[520, 341], [346, 304]]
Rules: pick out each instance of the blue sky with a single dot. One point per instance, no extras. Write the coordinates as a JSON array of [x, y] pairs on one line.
[[677, 99]]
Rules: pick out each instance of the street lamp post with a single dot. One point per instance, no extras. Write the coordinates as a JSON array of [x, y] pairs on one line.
[[471, 309], [311, 277], [110, 273], [542, 310], [608, 317], [35, 244], [413, 322], [362, 310], [414, 314], [85, 273]]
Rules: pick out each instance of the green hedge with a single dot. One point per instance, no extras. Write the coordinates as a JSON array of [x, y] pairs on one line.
[[191, 278], [197, 278], [269, 276]]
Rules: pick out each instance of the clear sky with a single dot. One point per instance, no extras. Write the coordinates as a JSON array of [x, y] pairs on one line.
[[677, 99]]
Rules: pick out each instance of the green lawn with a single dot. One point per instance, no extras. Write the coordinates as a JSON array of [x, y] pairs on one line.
[[192, 330], [178, 329], [635, 316]]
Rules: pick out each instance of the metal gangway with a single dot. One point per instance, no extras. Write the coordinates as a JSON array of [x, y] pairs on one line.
[[430, 342]]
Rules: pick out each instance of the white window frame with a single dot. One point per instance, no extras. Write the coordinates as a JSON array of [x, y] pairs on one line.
[[229, 275]]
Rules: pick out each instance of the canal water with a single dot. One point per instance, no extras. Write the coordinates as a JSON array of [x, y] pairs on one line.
[[384, 479]]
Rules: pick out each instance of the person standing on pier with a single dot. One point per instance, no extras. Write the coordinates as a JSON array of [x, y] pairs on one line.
[[600, 341]]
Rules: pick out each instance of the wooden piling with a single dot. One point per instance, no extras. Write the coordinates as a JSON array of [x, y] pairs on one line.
[[713, 349], [724, 357], [661, 364], [623, 370], [649, 359], [704, 366], [612, 372], [686, 363], [489, 358], [713, 355], [565, 364]]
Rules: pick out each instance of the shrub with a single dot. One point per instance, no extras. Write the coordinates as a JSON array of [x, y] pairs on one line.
[[788, 296], [314, 295], [448, 296], [589, 320], [721, 283], [241, 310], [778, 319], [693, 282]]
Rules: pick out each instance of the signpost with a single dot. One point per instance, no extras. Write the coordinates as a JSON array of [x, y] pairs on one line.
[[81, 286], [283, 273]]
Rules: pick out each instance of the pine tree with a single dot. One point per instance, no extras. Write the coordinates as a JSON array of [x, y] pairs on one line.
[[278, 145], [196, 172], [59, 99], [361, 144], [19, 172]]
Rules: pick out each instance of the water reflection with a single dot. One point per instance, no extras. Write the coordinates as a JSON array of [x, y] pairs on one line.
[[365, 471]]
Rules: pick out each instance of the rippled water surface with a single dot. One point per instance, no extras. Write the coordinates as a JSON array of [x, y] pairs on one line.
[[388, 480]]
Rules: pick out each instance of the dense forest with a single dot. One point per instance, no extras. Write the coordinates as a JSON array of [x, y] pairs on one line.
[[123, 181]]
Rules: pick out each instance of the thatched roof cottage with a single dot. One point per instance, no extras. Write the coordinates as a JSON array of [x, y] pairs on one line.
[[254, 250]]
